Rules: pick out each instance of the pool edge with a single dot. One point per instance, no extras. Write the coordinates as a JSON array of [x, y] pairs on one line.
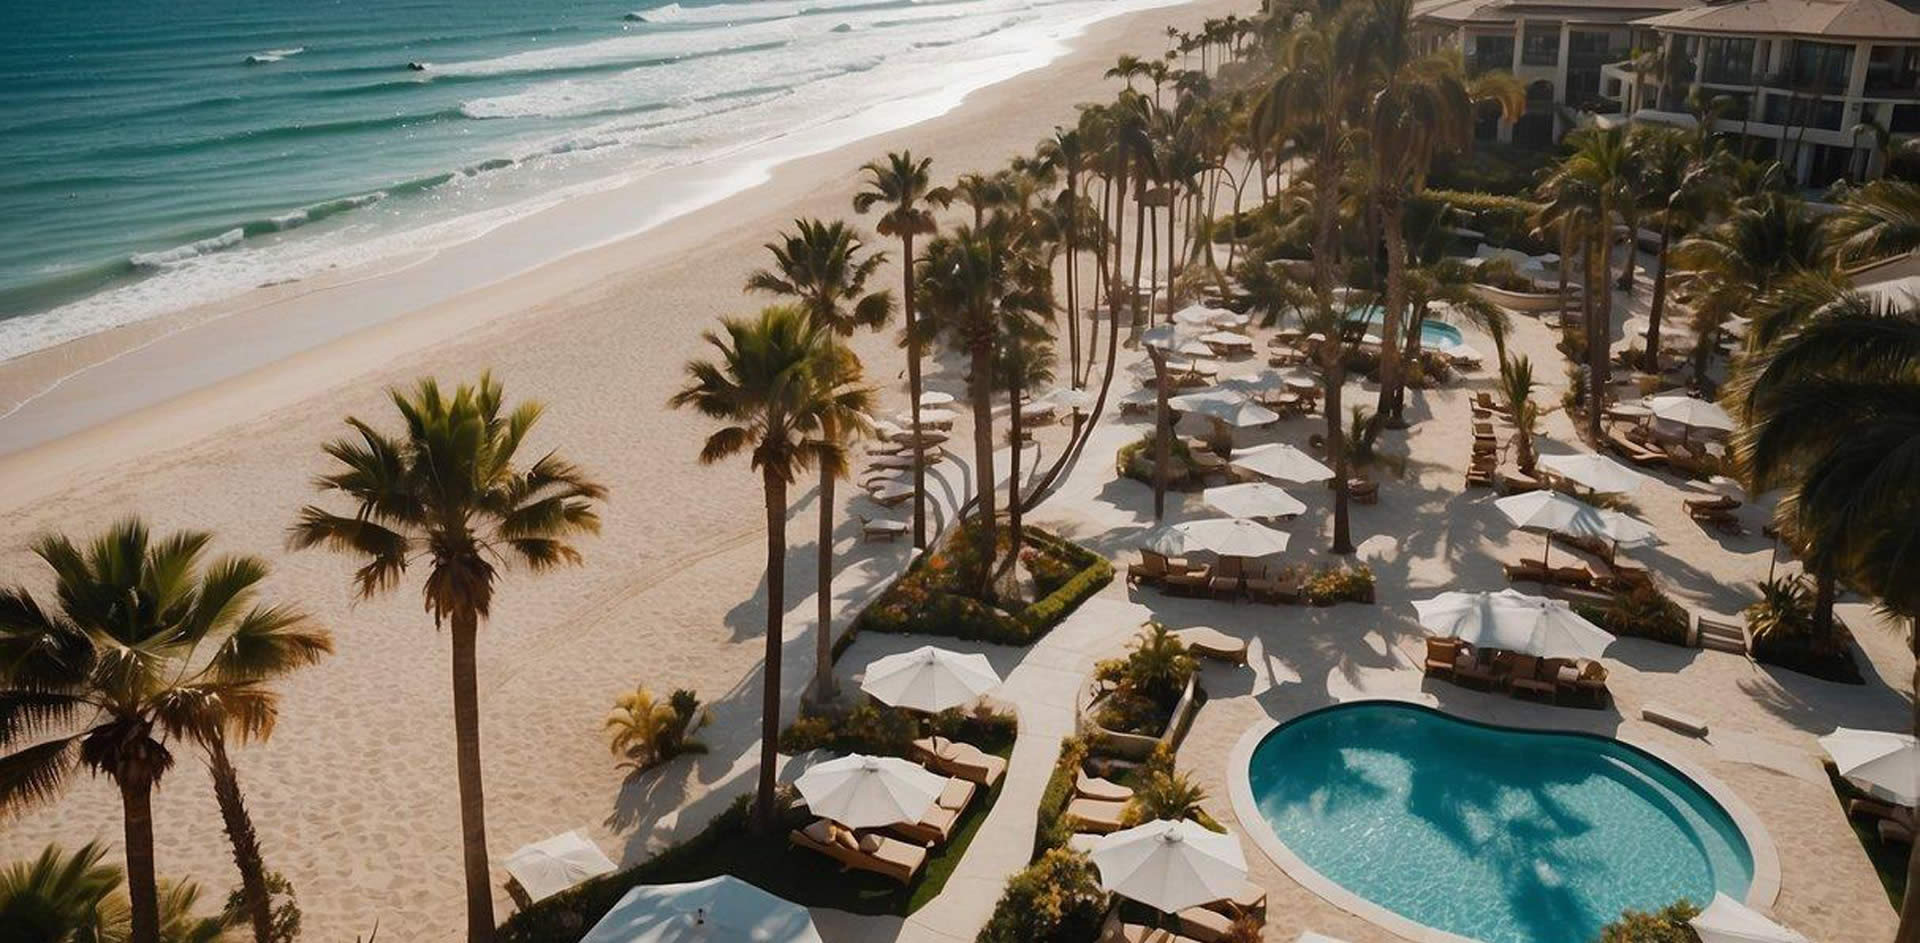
[[1761, 893]]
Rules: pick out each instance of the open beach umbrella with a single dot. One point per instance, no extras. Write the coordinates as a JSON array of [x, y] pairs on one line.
[[932, 398], [1555, 513], [861, 791], [929, 679], [1067, 398], [1596, 472], [546, 868], [1227, 337], [1513, 621], [1253, 499], [1282, 461], [1887, 764], [1690, 412], [1728, 921], [720, 908], [1199, 316], [1170, 865], [1227, 406], [1145, 396], [1226, 536]]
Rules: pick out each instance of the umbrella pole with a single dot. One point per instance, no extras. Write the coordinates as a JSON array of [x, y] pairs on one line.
[[1546, 558]]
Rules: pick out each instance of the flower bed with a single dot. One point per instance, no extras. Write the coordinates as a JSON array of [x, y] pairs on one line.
[[1641, 612], [931, 598]]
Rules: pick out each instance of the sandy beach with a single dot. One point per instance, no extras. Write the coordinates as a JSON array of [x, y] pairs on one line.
[[354, 795]]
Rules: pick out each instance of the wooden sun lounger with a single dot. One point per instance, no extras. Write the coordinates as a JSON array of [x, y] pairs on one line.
[[1213, 643], [889, 858], [1093, 815], [1115, 931], [1205, 925], [1470, 669], [1635, 452], [964, 760], [1283, 586], [1442, 655], [1226, 578], [935, 827], [1101, 790], [1190, 581], [1526, 678], [1250, 898]]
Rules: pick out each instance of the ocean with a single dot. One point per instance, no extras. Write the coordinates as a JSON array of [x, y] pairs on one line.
[[161, 154]]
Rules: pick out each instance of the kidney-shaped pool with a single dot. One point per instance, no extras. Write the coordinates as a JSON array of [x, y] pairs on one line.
[[1489, 832]]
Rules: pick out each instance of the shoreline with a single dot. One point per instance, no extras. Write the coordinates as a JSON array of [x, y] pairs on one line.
[[112, 385]]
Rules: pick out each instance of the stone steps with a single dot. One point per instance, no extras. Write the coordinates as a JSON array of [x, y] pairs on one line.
[[1721, 635]]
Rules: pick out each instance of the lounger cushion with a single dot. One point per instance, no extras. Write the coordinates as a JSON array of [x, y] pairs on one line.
[[1094, 787], [1205, 925], [869, 843], [958, 793], [846, 839], [821, 831]]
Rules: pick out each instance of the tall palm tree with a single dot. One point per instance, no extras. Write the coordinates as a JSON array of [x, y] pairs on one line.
[[973, 285], [822, 265], [1593, 185], [76, 898], [903, 186], [1024, 360], [1066, 152], [1768, 238], [1683, 172], [446, 492], [1875, 221], [149, 643], [782, 390]]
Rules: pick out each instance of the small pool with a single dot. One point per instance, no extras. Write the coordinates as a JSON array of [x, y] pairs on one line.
[[1434, 335], [1488, 832]]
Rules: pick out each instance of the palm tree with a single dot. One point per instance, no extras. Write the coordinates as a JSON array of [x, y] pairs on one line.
[[75, 898], [783, 390], [446, 492], [1875, 221], [1024, 360], [1516, 389], [1066, 152], [903, 185], [976, 286], [1767, 239], [821, 265], [1683, 171], [148, 643], [1593, 185], [1832, 414]]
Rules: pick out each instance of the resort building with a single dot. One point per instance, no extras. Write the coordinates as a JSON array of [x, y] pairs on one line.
[[1558, 48], [1826, 86]]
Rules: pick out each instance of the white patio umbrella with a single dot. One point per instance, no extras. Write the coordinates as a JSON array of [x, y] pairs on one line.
[[1597, 472], [932, 398], [1690, 412], [1227, 337], [1282, 461], [1555, 513], [1253, 499], [1199, 315], [1145, 396], [1513, 621], [1728, 921], [1228, 406], [929, 679], [1170, 865], [1887, 764], [861, 791], [1226, 536], [547, 867], [720, 908], [1067, 398]]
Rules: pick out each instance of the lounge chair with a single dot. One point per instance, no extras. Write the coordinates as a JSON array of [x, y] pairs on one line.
[[1102, 790], [1116, 931], [1213, 643], [1195, 580], [1097, 816], [1226, 577], [1442, 654], [1205, 925], [1635, 452], [1275, 585], [1718, 503], [935, 827], [1519, 482], [1364, 491], [1152, 569], [1875, 809], [1894, 833], [1523, 573], [878, 854], [1526, 678], [1479, 478], [1469, 669], [1250, 898], [1591, 683], [964, 760], [1578, 577], [882, 529]]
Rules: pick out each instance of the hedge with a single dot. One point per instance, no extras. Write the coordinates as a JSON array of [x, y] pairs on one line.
[[1049, 829], [925, 599]]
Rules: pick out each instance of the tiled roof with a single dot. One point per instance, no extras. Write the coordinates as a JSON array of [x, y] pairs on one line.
[[1854, 19]]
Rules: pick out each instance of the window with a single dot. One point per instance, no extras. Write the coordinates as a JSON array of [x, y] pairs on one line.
[[1542, 46], [1893, 70], [1491, 52], [1726, 61], [1822, 67]]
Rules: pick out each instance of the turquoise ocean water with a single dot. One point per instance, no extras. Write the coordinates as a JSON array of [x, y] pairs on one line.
[[156, 154]]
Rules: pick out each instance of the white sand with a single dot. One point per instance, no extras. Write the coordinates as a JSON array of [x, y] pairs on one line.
[[354, 795]]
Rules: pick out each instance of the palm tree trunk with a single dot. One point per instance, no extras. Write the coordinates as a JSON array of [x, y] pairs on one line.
[[1073, 281], [981, 392], [1825, 589], [913, 392], [1153, 253], [1162, 434], [1171, 203], [1139, 243], [1909, 931], [246, 845], [1014, 427], [1388, 412], [136, 796], [1633, 252], [823, 687], [466, 753], [1599, 325], [1659, 297], [1335, 376], [776, 500]]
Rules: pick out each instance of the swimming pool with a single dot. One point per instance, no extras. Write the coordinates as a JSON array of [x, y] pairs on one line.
[[1490, 833], [1434, 335]]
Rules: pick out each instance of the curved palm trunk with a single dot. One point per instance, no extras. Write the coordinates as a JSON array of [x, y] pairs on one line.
[[1659, 298], [473, 804], [1171, 203], [136, 796], [1073, 281], [913, 392], [1388, 412], [823, 687], [1140, 228], [776, 500], [240, 834]]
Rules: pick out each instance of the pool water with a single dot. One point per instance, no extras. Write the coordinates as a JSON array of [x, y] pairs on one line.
[[1488, 832], [1434, 335]]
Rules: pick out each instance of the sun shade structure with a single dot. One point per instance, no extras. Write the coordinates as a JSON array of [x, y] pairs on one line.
[[1596, 472], [718, 909], [932, 398], [1555, 513], [1067, 398], [1514, 622], [1227, 406], [1281, 461], [1728, 921], [546, 868], [1887, 764], [1690, 412], [1228, 537], [861, 791], [1253, 499], [1170, 865], [929, 679], [1201, 316]]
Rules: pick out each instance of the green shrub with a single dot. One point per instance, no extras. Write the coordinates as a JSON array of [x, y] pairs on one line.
[[1335, 583], [931, 598], [879, 730], [1491, 167], [1784, 633], [1666, 925], [1641, 612], [1504, 219], [284, 907], [1785, 610], [1051, 829], [1057, 899], [1135, 460]]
